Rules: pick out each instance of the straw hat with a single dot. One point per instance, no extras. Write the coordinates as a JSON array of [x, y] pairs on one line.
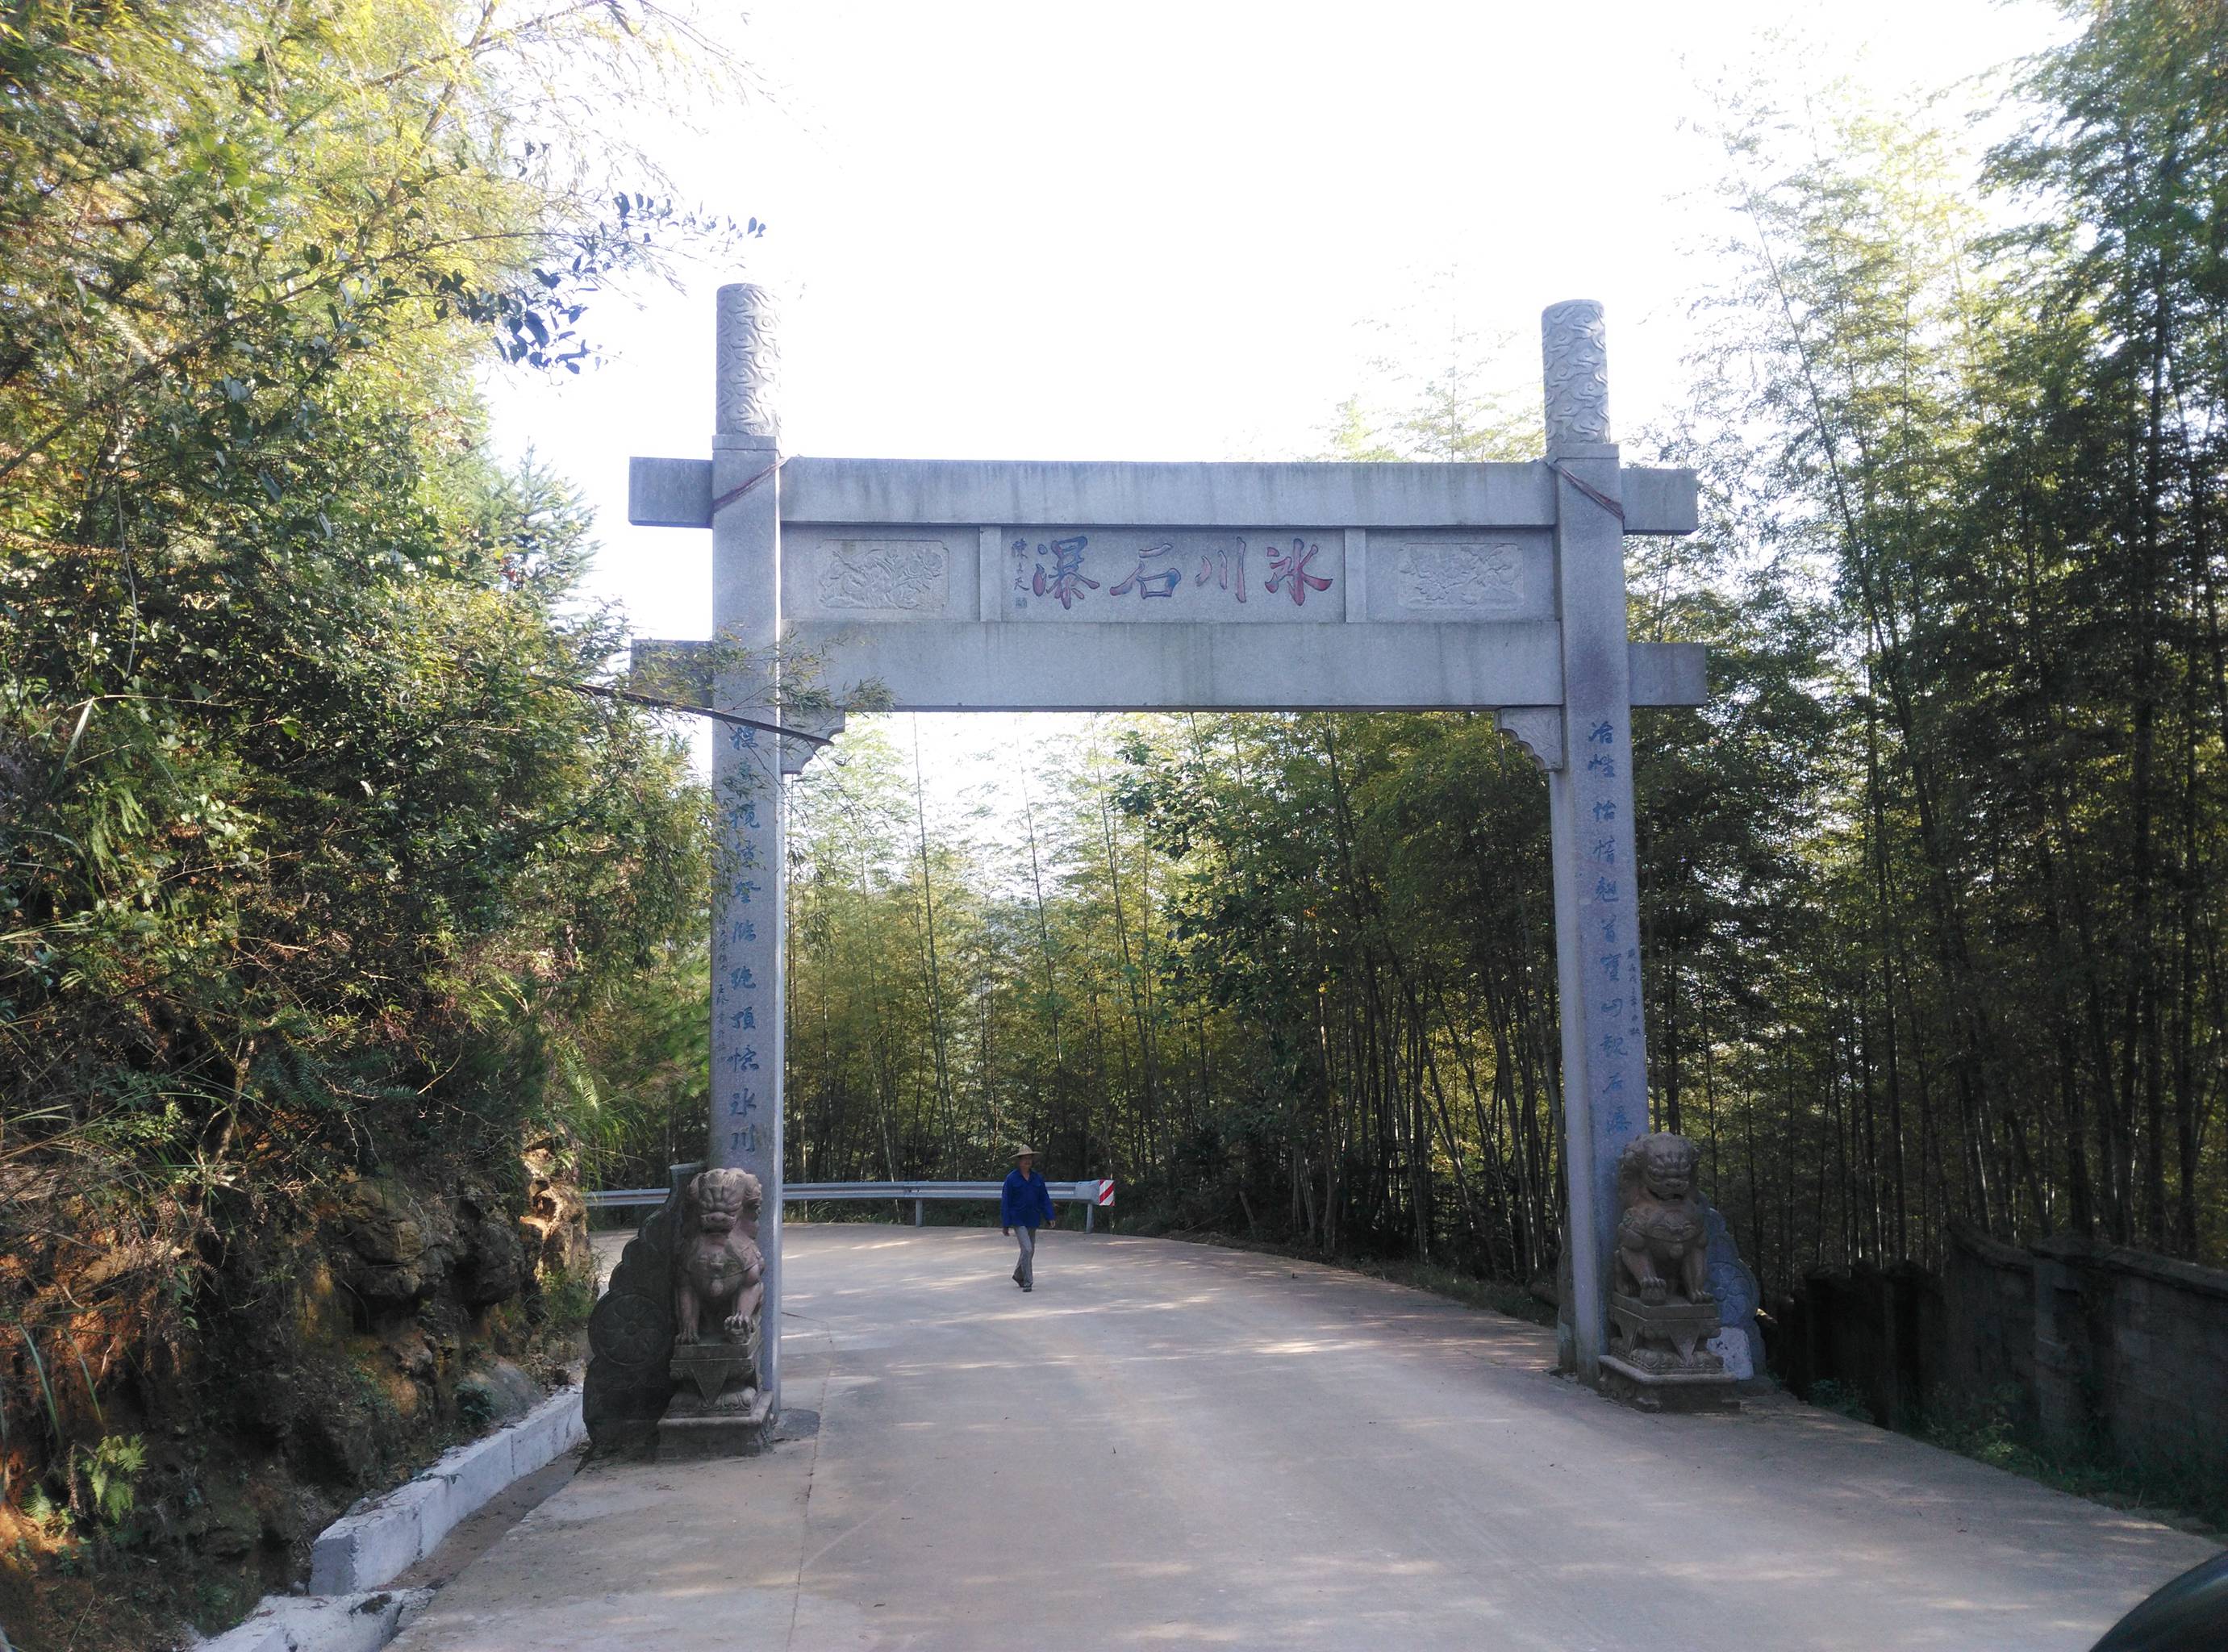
[[1025, 1151]]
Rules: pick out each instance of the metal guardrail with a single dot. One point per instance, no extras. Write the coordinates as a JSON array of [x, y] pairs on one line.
[[1093, 1195]]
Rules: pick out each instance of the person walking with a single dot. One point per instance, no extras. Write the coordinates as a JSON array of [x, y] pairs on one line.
[[1023, 1204]]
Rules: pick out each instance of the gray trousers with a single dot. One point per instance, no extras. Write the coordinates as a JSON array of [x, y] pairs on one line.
[[1025, 1270]]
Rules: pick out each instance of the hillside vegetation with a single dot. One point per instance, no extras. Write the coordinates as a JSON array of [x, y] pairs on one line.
[[317, 885]]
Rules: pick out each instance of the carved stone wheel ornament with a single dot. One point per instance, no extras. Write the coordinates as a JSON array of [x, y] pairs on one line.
[[630, 1339], [632, 1334]]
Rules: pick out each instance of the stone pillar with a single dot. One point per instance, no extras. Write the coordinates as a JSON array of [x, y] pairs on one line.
[[1589, 805], [747, 906]]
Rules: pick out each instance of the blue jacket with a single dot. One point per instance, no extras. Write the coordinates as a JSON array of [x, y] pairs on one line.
[[1025, 1201]]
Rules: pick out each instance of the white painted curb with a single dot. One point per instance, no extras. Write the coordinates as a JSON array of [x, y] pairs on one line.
[[346, 1611], [362, 1623], [363, 1550]]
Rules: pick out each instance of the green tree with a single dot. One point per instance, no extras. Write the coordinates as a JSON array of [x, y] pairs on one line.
[[312, 868]]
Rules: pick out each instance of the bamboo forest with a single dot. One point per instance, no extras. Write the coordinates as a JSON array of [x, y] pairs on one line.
[[1932, 890]]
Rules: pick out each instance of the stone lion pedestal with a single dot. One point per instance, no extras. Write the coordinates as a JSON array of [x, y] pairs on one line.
[[717, 1410], [1661, 1310], [1657, 1361], [674, 1364]]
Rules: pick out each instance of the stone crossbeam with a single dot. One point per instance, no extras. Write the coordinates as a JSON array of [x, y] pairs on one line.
[[972, 666], [896, 494]]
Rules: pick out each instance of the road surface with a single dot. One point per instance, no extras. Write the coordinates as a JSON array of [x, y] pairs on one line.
[[1175, 1445]]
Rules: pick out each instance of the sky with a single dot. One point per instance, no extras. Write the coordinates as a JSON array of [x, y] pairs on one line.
[[1065, 229]]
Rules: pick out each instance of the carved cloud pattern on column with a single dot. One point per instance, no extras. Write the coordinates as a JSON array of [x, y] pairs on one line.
[[1575, 346], [749, 367]]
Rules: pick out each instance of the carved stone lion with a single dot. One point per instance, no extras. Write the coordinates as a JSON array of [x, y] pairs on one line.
[[1663, 1232], [718, 1276]]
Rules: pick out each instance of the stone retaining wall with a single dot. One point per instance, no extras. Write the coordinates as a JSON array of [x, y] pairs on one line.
[[2132, 1349], [2092, 1345]]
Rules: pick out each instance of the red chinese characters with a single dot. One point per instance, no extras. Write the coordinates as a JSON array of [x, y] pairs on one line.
[[1289, 570]]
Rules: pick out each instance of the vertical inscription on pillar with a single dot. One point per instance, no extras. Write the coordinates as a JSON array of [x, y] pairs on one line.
[[1606, 899], [742, 970]]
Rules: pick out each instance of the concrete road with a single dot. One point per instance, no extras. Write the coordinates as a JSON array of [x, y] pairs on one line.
[[1175, 1445]]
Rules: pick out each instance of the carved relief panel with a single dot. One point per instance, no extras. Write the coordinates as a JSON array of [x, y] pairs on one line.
[[1460, 581], [900, 575], [1461, 576], [838, 573]]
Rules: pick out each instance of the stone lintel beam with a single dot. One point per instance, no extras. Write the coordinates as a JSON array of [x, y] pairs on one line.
[[670, 493], [957, 665], [910, 493], [1670, 674], [1663, 674]]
